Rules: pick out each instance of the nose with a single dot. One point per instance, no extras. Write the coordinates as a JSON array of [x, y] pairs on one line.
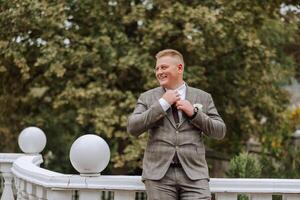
[[158, 71]]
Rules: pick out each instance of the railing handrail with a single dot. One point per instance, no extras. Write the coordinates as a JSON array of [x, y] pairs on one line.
[[26, 167], [9, 157], [255, 185], [33, 182]]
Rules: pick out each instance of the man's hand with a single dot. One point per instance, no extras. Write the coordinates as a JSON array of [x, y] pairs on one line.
[[171, 96], [186, 107]]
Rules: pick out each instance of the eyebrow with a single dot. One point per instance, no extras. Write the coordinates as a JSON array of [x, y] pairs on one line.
[[162, 65]]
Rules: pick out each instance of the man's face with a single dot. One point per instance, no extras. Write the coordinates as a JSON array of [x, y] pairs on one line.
[[169, 72]]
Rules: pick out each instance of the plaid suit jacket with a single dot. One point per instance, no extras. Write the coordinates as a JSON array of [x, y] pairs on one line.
[[165, 138]]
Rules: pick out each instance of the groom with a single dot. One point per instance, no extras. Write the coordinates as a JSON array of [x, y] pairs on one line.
[[176, 117]]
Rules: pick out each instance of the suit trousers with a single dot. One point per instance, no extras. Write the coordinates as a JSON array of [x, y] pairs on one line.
[[175, 185]]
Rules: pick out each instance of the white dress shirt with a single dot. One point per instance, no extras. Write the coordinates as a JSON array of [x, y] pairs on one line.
[[182, 93]]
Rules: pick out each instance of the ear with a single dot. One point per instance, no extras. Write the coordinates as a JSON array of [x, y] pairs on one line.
[[180, 67]]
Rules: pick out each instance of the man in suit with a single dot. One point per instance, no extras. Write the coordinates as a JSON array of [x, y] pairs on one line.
[[176, 116]]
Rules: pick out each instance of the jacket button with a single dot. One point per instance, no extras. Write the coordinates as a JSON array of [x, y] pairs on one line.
[[177, 132]]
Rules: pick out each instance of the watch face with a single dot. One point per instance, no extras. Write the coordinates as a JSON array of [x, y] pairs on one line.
[[195, 109]]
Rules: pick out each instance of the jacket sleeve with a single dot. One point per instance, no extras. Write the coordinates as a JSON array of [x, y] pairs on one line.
[[144, 117], [210, 123]]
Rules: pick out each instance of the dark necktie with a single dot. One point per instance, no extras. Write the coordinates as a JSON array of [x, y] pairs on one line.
[[175, 114], [176, 119]]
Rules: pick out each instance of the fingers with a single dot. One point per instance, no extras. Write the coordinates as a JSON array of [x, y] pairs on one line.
[[180, 107], [175, 96], [172, 96], [185, 106], [181, 104]]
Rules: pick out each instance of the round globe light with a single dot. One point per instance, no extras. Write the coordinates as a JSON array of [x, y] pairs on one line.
[[296, 134], [32, 140], [90, 155]]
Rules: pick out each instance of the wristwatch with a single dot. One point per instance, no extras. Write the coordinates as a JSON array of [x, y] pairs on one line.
[[196, 109]]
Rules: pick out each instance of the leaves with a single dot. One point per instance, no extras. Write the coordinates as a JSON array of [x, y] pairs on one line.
[[76, 67], [244, 165]]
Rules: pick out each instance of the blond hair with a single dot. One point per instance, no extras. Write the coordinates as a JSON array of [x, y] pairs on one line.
[[170, 52]]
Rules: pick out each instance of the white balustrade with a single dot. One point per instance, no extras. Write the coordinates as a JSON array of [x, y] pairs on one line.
[[291, 197], [89, 194], [261, 196], [124, 195], [59, 194], [35, 183], [6, 161], [259, 189], [226, 196]]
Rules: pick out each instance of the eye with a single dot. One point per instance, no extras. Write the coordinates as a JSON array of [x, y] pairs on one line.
[[162, 67]]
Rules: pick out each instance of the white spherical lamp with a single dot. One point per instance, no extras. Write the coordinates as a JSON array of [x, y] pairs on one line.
[[89, 155], [32, 140]]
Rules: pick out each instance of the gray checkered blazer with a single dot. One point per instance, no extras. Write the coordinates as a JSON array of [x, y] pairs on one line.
[[164, 138]]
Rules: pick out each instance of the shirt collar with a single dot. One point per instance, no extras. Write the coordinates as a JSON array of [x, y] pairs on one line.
[[182, 90]]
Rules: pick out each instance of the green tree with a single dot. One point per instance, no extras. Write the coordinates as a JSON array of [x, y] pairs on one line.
[[244, 165], [74, 67]]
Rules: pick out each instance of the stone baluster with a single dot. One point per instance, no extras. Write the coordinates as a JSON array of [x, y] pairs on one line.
[[226, 196], [40, 193], [31, 191], [17, 185], [90, 195], [7, 191], [124, 195], [24, 195], [261, 197], [291, 197], [59, 194]]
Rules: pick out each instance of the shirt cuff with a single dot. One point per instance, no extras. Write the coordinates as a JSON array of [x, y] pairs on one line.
[[164, 104]]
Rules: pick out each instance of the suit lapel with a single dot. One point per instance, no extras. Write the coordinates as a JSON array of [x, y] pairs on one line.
[[191, 97], [170, 117], [169, 114], [158, 93]]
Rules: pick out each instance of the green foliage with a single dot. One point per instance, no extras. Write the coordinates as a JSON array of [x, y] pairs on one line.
[[294, 116], [76, 67], [282, 158], [244, 165]]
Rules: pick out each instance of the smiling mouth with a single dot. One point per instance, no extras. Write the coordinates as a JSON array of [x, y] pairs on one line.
[[162, 77]]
